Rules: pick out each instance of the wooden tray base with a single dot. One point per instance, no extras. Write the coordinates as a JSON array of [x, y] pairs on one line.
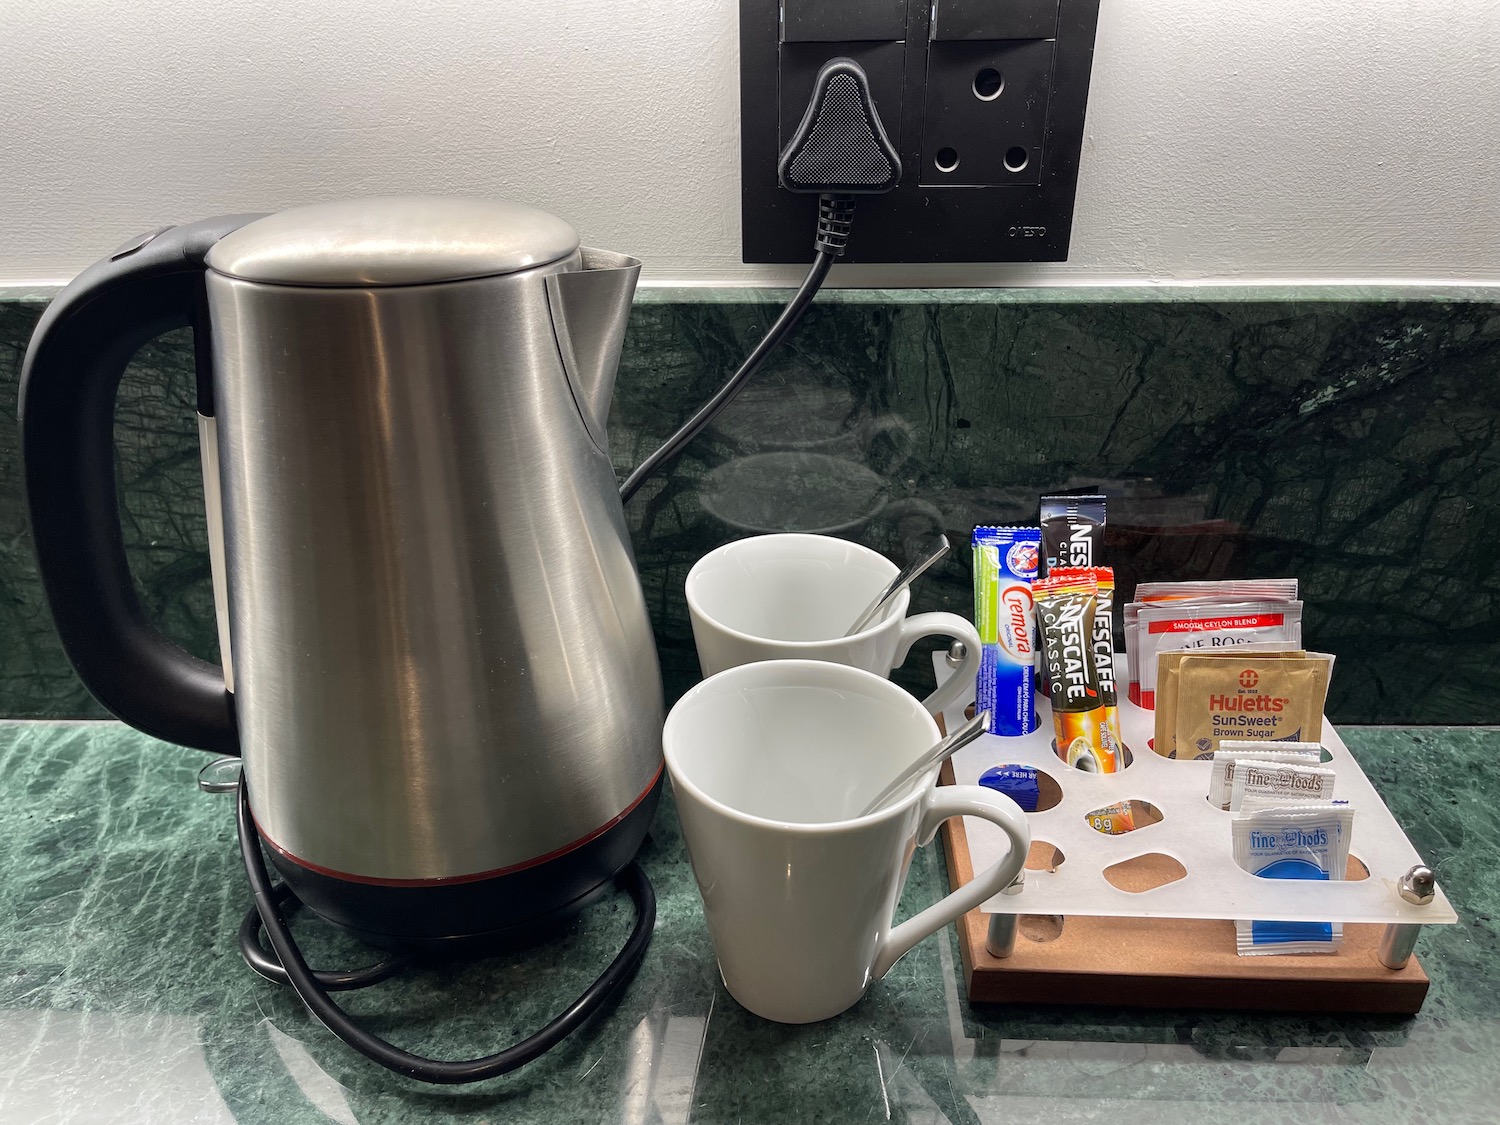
[[1170, 963]]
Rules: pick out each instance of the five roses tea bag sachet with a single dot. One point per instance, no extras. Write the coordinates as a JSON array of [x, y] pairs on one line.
[[1208, 615]]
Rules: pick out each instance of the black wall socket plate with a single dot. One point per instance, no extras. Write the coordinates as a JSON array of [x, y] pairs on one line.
[[983, 99]]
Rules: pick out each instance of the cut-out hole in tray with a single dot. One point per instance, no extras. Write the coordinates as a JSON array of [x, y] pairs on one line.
[[1044, 856], [1048, 792], [1088, 765], [1355, 870], [1142, 873], [1123, 816]]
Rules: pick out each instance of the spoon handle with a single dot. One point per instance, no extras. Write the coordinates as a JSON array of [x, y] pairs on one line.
[[908, 575], [979, 724]]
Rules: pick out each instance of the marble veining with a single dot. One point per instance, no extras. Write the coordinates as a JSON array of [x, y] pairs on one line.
[[1344, 437], [123, 998]]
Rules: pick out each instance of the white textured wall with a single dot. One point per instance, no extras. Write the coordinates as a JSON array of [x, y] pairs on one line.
[[1274, 139]]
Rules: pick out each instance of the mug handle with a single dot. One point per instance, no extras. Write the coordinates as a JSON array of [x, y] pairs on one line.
[[943, 803], [914, 628]]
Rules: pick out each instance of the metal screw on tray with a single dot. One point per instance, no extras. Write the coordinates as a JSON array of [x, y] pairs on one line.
[[1001, 940], [1418, 887], [958, 652]]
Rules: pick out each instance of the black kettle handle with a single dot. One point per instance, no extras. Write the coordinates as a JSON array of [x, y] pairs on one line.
[[68, 384]]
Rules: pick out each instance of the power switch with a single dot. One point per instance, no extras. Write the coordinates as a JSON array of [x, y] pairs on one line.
[[985, 19], [837, 21]]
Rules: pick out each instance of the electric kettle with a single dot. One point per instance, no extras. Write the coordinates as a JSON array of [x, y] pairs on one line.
[[437, 663], [438, 668]]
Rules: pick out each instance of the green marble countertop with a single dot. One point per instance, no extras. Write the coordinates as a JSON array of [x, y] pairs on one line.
[[123, 998]]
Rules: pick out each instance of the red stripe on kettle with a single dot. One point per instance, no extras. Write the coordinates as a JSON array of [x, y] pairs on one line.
[[477, 876]]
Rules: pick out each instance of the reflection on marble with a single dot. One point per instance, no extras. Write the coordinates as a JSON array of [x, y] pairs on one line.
[[1346, 438], [1349, 443], [103, 1067], [123, 998]]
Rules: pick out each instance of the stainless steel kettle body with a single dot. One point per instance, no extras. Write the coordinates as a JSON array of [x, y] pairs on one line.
[[446, 691], [444, 670]]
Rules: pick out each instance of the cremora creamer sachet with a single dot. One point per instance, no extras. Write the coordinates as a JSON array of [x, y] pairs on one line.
[[1005, 562]]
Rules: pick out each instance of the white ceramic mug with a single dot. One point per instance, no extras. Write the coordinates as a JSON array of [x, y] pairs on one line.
[[790, 597], [771, 764]]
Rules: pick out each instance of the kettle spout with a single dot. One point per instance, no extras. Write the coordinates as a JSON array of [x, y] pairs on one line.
[[590, 308]]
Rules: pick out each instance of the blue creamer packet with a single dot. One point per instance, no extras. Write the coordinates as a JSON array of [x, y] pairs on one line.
[[1005, 562], [1016, 781]]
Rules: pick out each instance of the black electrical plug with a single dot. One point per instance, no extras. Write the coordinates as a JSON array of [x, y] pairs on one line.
[[840, 146], [839, 150]]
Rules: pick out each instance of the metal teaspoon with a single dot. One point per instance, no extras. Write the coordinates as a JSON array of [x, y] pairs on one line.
[[979, 724], [908, 575]]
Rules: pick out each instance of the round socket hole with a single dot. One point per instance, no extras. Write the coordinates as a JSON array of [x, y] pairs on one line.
[[1044, 856], [1123, 816], [1142, 873], [946, 159], [1355, 870], [1016, 158], [987, 84], [1040, 927]]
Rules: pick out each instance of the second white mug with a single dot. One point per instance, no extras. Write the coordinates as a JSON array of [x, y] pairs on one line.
[[790, 597], [772, 765]]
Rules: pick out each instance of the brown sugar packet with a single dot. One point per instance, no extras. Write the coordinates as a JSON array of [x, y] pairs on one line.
[[1169, 668], [1259, 697]]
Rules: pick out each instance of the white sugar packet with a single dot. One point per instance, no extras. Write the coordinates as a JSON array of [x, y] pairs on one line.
[[1232, 750], [1281, 783]]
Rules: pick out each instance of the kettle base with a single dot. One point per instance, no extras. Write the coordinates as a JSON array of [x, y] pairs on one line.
[[511, 910]]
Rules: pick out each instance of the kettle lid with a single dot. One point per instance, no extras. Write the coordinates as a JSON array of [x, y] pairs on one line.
[[400, 240]]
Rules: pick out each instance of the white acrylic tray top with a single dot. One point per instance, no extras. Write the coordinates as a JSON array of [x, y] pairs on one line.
[[1193, 832]]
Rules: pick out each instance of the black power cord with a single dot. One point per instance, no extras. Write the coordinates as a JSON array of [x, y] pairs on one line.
[[839, 150], [344, 980], [314, 993], [839, 212]]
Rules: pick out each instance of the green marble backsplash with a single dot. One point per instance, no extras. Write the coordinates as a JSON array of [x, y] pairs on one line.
[[1348, 439]]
